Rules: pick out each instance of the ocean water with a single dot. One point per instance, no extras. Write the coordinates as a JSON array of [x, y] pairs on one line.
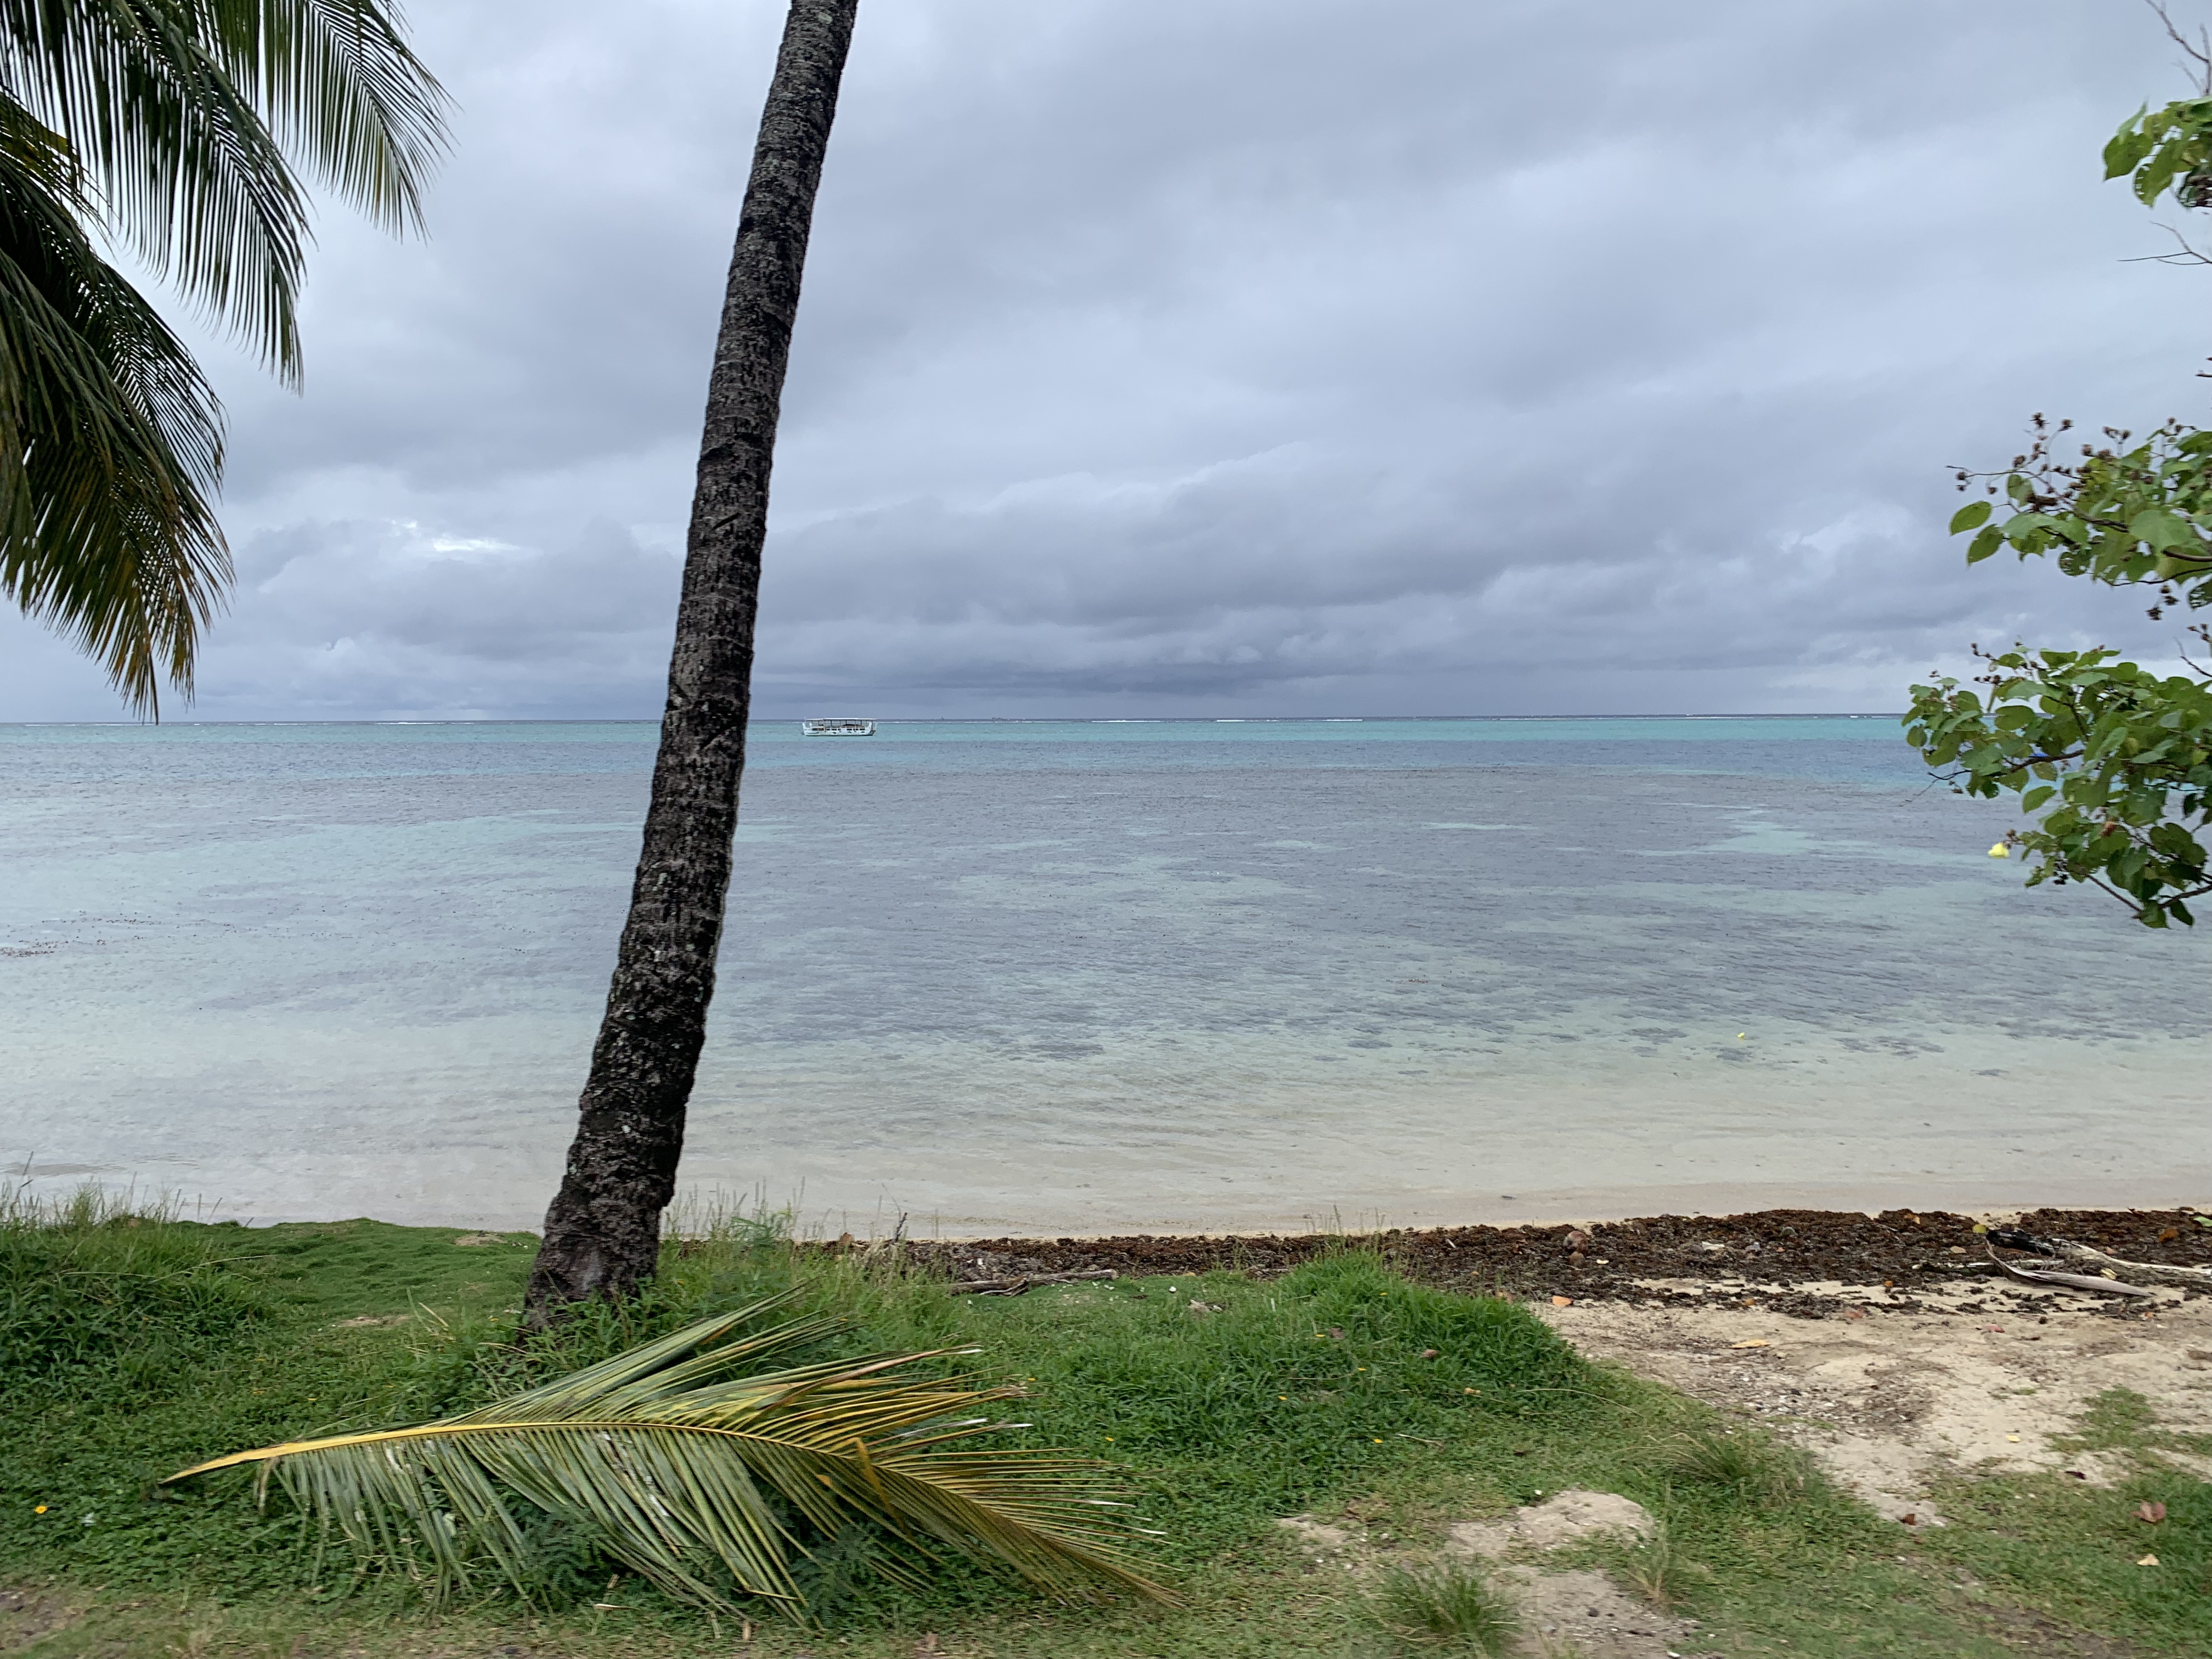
[[1080, 977]]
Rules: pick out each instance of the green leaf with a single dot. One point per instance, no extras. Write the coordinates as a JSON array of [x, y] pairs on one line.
[[1972, 516], [2036, 797], [1985, 543], [2160, 528], [2127, 147]]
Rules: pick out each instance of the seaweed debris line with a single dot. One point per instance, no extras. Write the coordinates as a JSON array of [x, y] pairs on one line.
[[1810, 1264]]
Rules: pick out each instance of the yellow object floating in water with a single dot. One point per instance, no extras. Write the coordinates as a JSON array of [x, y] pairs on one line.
[[2000, 851]]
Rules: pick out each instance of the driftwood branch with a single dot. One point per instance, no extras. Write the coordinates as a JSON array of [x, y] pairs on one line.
[[2158, 1272], [1015, 1287], [2072, 1281]]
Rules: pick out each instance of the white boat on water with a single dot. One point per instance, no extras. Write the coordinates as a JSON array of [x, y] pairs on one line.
[[838, 728]]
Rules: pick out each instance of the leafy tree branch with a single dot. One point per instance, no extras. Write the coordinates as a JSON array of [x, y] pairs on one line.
[[2115, 758]]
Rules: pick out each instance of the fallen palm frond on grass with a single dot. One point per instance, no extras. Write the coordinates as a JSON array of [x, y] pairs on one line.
[[698, 1471]]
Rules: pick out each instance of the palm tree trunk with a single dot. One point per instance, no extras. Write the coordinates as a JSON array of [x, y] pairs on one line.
[[603, 1231]]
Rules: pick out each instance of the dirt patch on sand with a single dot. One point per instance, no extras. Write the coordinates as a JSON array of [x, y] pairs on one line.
[[1898, 1395], [1562, 1611]]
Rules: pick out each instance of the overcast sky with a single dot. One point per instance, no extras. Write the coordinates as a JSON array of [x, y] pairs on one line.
[[1217, 356]]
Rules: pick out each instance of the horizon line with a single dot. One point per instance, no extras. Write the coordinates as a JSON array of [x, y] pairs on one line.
[[962, 720]]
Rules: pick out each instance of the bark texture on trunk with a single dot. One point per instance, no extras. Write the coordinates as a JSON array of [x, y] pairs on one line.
[[603, 1231]]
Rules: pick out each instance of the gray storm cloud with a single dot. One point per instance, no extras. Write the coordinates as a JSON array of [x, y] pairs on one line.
[[1308, 356]]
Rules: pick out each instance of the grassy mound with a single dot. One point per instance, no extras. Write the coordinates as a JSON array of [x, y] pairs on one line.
[[97, 1302], [1230, 1402]]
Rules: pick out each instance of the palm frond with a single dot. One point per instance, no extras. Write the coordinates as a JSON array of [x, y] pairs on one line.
[[340, 87], [171, 125], [110, 437], [187, 111], [694, 1465]]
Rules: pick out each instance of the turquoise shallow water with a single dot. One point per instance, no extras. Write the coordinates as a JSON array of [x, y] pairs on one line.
[[1081, 976]]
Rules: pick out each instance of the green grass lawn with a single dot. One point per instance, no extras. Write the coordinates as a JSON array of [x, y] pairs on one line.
[[131, 1347]]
